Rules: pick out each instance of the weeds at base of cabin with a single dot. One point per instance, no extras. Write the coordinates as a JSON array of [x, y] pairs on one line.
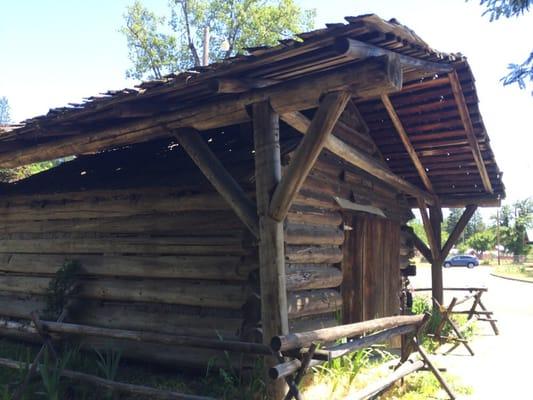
[[51, 371], [423, 386]]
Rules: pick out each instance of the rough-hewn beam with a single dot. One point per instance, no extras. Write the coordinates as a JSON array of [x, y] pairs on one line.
[[420, 245], [458, 230], [307, 152], [435, 219], [359, 159], [469, 130], [356, 49], [219, 177], [406, 142], [274, 316], [435, 249], [368, 78]]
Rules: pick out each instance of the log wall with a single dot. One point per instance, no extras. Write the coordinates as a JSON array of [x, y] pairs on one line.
[[160, 250], [315, 234]]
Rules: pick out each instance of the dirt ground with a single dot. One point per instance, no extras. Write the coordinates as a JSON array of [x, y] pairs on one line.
[[501, 367]]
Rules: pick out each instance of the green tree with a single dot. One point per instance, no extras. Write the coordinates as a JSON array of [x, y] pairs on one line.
[[452, 219], [482, 241], [513, 234], [5, 117], [475, 225], [495, 9], [162, 45]]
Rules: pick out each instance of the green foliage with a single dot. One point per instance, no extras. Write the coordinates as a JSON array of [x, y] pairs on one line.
[[349, 366], [108, 363], [159, 45], [518, 73], [505, 8], [424, 385], [418, 229], [421, 305], [514, 222], [51, 375], [482, 241], [56, 295], [149, 49]]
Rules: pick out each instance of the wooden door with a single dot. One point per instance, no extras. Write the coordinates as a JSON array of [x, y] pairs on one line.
[[371, 270]]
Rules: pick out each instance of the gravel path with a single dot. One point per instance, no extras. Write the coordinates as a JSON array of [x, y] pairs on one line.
[[501, 368]]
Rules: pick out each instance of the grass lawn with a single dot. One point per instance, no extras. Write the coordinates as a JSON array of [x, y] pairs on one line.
[[524, 272]]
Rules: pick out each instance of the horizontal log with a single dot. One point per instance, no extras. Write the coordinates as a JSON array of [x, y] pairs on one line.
[[151, 352], [178, 223], [313, 255], [110, 203], [304, 339], [63, 328], [312, 323], [156, 317], [299, 234], [306, 277], [185, 245], [343, 349], [120, 387], [288, 368], [186, 267], [308, 215], [149, 290], [313, 302]]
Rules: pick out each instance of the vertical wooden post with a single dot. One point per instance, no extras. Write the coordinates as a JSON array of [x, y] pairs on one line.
[[435, 217], [271, 243]]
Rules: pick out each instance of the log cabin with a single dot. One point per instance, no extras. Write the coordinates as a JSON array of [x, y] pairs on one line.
[[264, 194]]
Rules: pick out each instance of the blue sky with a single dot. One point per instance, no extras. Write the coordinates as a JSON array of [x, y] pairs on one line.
[[59, 51]]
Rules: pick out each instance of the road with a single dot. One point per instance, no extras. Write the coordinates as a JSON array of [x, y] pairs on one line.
[[501, 368]]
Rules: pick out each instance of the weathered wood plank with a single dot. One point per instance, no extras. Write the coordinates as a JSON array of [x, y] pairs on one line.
[[186, 245], [313, 302], [184, 267], [192, 293], [307, 277]]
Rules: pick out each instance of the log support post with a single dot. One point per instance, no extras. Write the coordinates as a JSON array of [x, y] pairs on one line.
[[271, 242], [438, 252], [432, 225]]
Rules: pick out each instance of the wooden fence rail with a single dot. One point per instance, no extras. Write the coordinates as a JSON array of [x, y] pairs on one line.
[[302, 348], [477, 309]]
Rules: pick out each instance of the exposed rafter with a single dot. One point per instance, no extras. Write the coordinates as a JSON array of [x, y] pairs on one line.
[[406, 142], [469, 129]]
